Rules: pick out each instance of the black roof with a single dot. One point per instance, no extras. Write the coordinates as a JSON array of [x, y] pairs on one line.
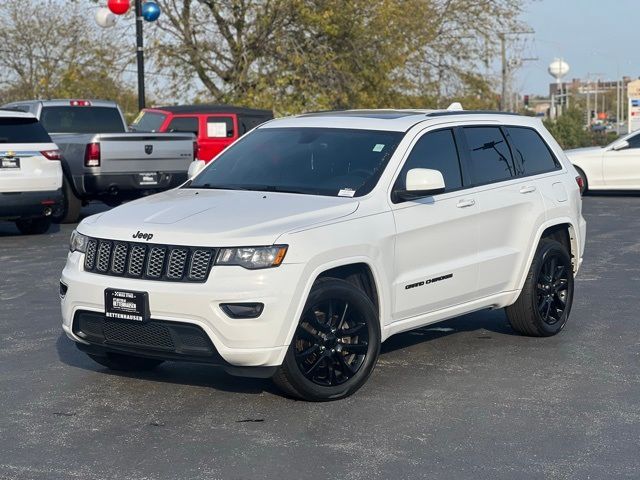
[[212, 108]]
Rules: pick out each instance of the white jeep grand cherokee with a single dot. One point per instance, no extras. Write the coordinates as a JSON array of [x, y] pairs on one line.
[[315, 238]]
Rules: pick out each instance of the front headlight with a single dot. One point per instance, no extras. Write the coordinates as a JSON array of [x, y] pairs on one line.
[[252, 257], [78, 242]]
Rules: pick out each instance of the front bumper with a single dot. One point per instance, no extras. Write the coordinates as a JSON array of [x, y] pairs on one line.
[[16, 205], [247, 342]]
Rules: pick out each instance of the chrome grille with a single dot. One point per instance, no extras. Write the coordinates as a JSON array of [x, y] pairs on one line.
[[151, 262], [136, 260], [200, 263], [119, 259], [90, 256], [177, 262], [155, 262], [104, 254]]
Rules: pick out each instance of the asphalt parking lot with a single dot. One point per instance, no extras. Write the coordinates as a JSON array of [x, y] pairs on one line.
[[466, 398]]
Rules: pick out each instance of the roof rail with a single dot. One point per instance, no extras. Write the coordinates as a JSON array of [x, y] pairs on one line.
[[443, 113]]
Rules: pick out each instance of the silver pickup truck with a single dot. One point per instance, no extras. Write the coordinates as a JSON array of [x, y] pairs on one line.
[[102, 160]]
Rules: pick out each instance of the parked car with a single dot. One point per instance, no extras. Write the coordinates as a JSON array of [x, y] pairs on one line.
[[215, 126], [30, 173], [313, 239], [101, 160], [614, 167]]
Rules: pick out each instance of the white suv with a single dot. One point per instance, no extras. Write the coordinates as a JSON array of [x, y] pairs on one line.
[[315, 238], [30, 173]]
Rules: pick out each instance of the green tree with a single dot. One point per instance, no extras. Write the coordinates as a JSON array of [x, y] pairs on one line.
[[47, 51], [295, 55]]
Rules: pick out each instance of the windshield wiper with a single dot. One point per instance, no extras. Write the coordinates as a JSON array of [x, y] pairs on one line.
[[249, 188]]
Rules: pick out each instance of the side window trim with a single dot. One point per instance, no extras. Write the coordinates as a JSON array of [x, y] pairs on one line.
[[420, 135]]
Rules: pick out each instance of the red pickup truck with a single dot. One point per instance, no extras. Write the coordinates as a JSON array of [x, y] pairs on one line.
[[215, 126]]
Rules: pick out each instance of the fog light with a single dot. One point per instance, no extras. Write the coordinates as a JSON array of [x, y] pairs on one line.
[[242, 310], [63, 290]]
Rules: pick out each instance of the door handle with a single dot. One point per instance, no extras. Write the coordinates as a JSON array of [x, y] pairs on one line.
[[466, 203], [527, 189]]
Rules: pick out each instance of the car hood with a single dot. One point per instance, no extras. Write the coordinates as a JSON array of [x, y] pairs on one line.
[[582, 152], [216, 217]]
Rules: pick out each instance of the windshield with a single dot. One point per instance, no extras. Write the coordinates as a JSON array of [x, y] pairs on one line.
[[82, 120], [314, 161], [148, 122]]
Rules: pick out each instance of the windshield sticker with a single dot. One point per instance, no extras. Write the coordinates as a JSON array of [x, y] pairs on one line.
[[379, 147], [346, 192]]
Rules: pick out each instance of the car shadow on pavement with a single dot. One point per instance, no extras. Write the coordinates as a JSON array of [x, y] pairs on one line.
[[486, 323], [9, 229], [178, 373]]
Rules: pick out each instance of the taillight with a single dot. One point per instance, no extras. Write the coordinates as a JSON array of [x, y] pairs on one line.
[[580, 182], [196, 149], [80, 103], [92, 155], [52, 154]]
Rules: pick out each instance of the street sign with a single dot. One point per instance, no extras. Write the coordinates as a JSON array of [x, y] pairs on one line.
[[633, 94]]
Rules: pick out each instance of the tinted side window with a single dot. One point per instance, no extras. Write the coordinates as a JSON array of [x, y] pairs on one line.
[[531, 154], [634, 142], [490, 156], [22, 130], [184, 124], [220, 127], [437, 151]]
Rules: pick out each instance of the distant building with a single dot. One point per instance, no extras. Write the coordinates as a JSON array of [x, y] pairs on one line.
[[578, 85]]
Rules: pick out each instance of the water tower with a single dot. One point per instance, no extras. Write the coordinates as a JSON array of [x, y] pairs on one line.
[[558, 68]]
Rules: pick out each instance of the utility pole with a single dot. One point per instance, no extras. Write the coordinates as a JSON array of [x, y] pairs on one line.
[[140, 54], [505, 69], [503, 57]]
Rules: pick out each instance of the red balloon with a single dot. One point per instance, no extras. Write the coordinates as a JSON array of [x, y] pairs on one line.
[[119, 7]]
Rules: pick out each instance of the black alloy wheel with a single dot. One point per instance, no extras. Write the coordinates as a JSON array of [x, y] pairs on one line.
[[335, 346], [331, 342], [544, 304], [553, 288]]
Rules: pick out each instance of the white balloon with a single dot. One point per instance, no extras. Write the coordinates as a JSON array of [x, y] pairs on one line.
[[105, 18]]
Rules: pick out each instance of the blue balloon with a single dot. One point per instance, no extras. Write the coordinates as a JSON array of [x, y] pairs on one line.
[[150, 11]]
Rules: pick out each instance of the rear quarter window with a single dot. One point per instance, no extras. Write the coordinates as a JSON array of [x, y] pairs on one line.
[[530, 152], [22, 130]]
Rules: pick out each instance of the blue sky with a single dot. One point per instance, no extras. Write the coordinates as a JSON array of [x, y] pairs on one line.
[[592, 36]]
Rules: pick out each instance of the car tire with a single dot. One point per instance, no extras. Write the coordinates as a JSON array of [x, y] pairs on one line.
[[336, 344], [33, 226], [125, 363], [544, 304], [585, 182], [69, 212]]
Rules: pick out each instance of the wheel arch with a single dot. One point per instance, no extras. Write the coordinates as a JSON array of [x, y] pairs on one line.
[[360, 275], [340, 268], [563, 231]]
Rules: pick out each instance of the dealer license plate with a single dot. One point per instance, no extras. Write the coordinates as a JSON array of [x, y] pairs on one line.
[[150, 178], [9, 162], [126, 305]]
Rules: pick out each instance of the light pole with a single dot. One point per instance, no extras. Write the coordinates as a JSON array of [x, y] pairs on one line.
[[148, 11], [140, 54]]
